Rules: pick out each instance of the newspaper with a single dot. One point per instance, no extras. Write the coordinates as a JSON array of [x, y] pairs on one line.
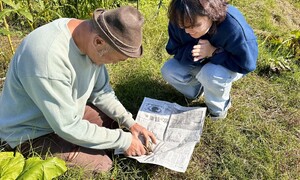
[[177, 129]]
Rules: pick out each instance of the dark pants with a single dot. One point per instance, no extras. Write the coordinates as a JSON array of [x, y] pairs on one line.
[[74, 155]]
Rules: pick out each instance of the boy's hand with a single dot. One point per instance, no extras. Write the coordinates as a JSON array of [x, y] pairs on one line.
[[202, 50]]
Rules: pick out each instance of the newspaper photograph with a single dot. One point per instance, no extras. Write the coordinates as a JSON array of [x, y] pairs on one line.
[[177, 129]]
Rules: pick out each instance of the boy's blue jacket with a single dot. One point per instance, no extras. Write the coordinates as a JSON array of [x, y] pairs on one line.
[[234, 35]]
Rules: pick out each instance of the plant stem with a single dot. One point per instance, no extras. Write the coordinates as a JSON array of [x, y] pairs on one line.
[[32, 26], [7, 28]]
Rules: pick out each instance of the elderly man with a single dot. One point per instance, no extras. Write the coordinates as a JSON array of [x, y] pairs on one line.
[[57, 98]]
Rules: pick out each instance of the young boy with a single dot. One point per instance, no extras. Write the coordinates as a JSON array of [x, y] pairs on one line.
[[213, 46]]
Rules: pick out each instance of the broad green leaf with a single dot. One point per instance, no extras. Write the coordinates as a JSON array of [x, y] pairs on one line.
[[10, 3], [5, 12], [35, 168], [11, 166], [26, 14]]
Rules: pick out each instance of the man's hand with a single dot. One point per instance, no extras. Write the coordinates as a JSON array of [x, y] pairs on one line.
[[202, 50], [136, 147]]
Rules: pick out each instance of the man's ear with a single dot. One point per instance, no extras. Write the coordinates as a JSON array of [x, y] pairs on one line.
[[98, 42]]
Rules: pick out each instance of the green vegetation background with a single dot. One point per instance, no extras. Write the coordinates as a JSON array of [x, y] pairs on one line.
[[260, 139]]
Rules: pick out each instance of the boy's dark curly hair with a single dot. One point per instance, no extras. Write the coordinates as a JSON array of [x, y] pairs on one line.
[[184, 12]]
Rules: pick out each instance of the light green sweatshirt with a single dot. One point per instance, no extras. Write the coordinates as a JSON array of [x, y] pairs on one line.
[[47, 86]]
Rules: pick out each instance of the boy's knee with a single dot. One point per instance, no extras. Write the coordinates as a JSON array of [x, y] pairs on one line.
[[212, 75], [165, 69], [166, 72]]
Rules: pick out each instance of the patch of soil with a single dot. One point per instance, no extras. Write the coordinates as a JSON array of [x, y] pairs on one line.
[[286, 15]]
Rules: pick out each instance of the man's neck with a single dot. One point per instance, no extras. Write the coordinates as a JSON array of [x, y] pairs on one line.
[[78, 30]]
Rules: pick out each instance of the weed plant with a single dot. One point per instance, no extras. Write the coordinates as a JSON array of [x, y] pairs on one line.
[[260, 138]]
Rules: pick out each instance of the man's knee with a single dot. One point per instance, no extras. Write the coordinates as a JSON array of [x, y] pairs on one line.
[[89, 159], [95, 116]]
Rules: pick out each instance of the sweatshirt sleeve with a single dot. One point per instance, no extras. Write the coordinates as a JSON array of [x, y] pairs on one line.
[[53, 98], [238, 41], [239, 53], [104, 98]]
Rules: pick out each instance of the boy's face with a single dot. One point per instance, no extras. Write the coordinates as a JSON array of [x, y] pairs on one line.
[[199, 28]]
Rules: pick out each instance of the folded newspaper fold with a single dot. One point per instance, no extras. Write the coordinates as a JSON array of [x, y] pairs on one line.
[[177, 129]]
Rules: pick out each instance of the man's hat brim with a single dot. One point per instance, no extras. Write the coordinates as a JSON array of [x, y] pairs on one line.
[[104, 31]]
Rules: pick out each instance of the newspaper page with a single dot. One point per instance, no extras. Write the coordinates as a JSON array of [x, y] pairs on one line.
[[177, 129]]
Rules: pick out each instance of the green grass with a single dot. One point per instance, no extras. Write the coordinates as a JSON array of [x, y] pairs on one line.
[[260, 139]]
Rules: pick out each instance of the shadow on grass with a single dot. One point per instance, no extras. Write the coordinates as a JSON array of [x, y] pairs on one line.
[[132, 92], [127, 168]]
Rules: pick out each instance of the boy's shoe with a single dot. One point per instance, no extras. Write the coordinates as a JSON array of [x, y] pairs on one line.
[[221, 116], [215, 118]]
